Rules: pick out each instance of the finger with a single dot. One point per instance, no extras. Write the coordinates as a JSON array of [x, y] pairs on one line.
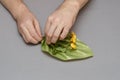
[[21, 33], [28, 37], [33, 32], [50, 32], [37, 28], [64, 33], [24, 38], [57, 33]]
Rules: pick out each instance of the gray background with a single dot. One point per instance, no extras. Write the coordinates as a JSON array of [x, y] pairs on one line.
[[98, 25]]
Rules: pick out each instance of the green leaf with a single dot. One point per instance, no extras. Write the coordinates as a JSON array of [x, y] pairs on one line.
[[63, 51]]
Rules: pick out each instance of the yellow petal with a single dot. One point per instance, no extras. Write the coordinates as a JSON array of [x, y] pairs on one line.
[[73, 46], [73, 35], [71, 39], [74, 40]]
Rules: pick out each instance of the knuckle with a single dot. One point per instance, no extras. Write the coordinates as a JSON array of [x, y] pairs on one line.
[[62, 37], [56, 20], [54, 41], [50, 18], [55, 36], [21, 25], [66, 30], [29, 40], [26, 23], [33, 35], [49, 35]]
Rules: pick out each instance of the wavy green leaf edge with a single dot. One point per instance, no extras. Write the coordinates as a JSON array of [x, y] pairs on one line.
[[63, 51]]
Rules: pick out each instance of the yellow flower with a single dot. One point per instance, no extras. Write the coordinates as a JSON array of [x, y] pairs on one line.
[[73, 46], [73, 40], [73, 35]]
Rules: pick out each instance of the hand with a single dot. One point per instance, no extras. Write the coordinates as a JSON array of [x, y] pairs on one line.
[[60, 22], [28, 27]]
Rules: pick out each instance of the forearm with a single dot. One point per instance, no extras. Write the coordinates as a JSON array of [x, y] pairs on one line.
[[15, 7], [76, 4]]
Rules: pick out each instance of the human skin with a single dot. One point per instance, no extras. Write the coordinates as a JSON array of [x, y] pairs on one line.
[[61, 20], [27, 23], [57, 26]]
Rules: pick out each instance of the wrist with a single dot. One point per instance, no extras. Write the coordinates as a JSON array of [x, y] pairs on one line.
[[16, 7], [20, 10], [76, 4]]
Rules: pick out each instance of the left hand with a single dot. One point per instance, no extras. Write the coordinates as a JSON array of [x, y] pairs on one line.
[[60, 22]]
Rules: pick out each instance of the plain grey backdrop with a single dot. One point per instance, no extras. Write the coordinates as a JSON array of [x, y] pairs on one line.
[[98, 25]]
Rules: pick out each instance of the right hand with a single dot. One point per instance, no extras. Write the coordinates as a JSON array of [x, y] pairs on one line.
[[28, 27]]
